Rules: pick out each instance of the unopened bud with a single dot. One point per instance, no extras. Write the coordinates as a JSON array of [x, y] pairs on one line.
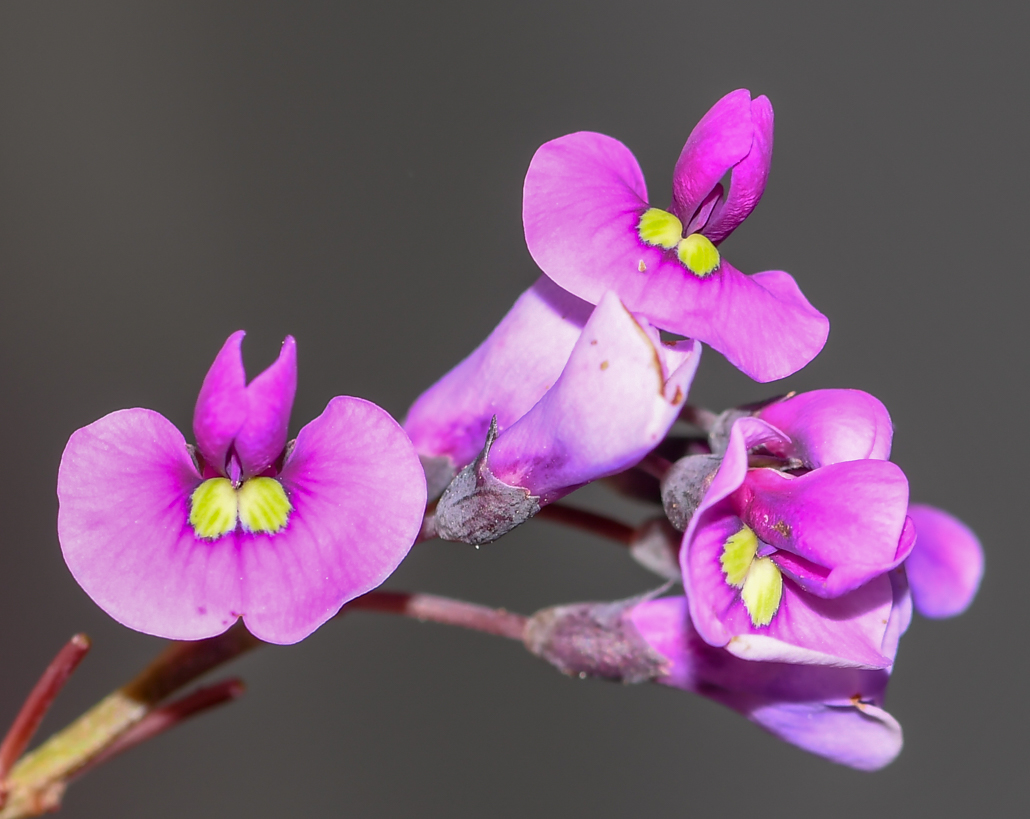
[[477, 507], [685, 485], [594, 640]]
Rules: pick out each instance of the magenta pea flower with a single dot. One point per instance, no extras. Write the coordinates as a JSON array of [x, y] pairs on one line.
[[615, 399], [793, 568], [590, 227], [180, 541], [836, 713]]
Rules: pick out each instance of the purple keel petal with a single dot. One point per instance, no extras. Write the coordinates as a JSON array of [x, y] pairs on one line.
[[222, 403], [719, 141], [747, 180], [262, 438], [614, 402], [124, 486], [358, 495], [846, 517], [504, 377], [831, 426], [946, 565]]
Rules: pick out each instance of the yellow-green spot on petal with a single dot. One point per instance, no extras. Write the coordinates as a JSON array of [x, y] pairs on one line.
[[264, 506], [737, 553], [213, 508], [698, 254], [661, 228], [762, 591]]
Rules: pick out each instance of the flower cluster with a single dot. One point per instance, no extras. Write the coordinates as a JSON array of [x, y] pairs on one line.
[[799, 552]]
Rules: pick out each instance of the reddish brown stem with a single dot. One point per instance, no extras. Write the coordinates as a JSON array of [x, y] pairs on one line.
[[588, 522], [168, 716], [38, 702], [444, 610], [655, 465]]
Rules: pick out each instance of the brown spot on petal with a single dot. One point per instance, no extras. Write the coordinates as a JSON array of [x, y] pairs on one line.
[[593, 343], [641, 266], [604, 366], [677, 399], [783, 528]]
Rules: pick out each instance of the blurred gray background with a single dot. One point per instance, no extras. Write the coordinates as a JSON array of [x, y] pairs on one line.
[[351, 173]]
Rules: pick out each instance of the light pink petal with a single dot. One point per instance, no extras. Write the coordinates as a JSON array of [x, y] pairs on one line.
[[831, 426], [747, 179], [262, 438], [221, 408], [847, 517], [946, 565], [124, 486], [503, 377], [613, 403], [719, 141], [359, 494]]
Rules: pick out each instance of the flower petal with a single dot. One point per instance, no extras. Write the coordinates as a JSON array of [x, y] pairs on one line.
[[124, 487], [358, 495], [503, 377], [832, 712], [831, 426], [946, 565], [262, 438], [617, 397], [719, 141], [221, 408], [747, 179], [847, 517]]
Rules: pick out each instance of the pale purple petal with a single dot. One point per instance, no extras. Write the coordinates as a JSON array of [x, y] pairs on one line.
[[262, 438], [617, 397], [946, 565], [857, 734], [503, 377], [359, 494], [124, 486], [846, 517], [747, 179], [832, 712], [901, 612], [719, 141], [221, 408], [831, 426]]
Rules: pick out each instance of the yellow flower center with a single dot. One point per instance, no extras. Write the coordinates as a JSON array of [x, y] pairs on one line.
[[758, 578], [259, 504], [662, 229]]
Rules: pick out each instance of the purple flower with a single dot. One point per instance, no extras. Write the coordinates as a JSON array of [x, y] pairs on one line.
[[945, 566], [836, 713], [793, 568], [179, 542], [502, 378], [589, 227], [618, 394]]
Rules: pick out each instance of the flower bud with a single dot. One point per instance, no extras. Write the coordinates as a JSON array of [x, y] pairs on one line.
[[685, 485], [594, 640]]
